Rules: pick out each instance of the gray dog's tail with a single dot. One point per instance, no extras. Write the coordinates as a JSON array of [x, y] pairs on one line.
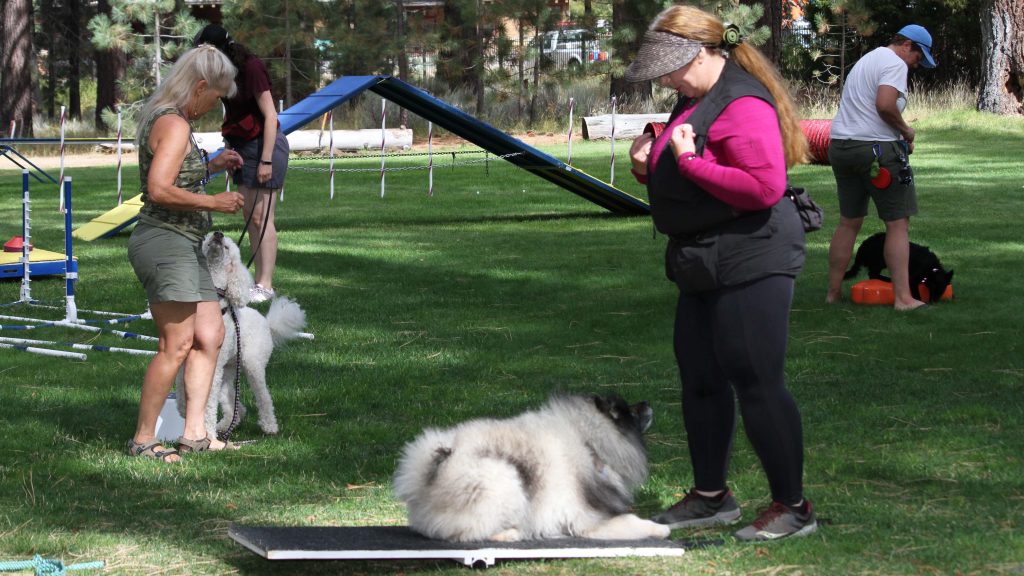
[[286, 319]]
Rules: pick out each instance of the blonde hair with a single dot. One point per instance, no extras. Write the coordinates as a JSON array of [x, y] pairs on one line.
[[706, 28], [202, 63]]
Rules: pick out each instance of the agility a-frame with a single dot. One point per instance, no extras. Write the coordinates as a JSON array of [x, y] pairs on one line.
[[465, 126]]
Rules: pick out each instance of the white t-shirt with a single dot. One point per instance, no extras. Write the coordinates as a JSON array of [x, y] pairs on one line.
[[858, 117]]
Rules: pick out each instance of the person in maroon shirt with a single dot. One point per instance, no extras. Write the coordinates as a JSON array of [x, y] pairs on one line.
[[251, 128]]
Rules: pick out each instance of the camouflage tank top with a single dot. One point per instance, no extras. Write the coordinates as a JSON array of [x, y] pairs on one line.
[[191, 224]]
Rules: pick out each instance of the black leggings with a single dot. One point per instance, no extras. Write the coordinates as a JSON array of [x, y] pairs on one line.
[[737, 336]]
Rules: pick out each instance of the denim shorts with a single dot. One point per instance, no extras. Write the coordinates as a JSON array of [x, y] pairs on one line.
[[170, 266], [251, 152], [851, 164]]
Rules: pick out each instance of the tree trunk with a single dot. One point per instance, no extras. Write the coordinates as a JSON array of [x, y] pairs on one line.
[[287, 54], [626, 15], [49, 33], [1002, 83], [110, 68], [459, 60], [403, 56], [478, 61], [519, 65], [16, 82], [74, 41], [773, 13], [538, 33]]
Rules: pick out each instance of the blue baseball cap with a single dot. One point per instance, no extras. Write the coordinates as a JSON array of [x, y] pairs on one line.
[[919, 36]]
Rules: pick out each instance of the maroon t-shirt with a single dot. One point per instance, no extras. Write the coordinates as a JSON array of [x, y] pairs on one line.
[[243, 114]]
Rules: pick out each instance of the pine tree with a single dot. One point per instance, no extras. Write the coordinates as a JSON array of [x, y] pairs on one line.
[[282, 33], [152, 33]]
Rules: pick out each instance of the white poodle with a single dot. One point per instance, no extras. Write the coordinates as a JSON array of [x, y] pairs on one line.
[[256, 338]]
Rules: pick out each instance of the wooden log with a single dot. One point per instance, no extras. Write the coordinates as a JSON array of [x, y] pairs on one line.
[[306, 140], [626, 125], [366, 139]]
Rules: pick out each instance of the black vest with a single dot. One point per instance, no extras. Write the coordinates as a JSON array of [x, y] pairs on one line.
[[678, 206]]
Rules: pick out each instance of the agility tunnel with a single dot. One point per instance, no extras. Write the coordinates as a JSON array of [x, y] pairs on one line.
[[819, 137]]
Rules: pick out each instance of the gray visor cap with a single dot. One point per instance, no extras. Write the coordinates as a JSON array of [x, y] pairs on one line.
[[661, 53]]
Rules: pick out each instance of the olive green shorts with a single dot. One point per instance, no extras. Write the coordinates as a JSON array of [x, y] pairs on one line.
[[851, 164], [172, 267]]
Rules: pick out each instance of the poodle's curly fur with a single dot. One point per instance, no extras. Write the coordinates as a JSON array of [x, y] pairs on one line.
[[258, 336]]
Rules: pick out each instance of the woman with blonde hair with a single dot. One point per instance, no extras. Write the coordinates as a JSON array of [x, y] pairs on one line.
[[716, 177], [165, 248]]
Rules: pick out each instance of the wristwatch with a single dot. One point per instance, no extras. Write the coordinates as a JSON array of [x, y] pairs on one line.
[[267, 162]]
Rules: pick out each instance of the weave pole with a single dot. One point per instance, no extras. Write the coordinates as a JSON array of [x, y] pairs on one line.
[[13, 126], [383, 107], [572, 103], [75, 325], [330, 146], [61, 179], [76, 346], [119, 156], [46, 351], [611, 179], [430, 159]]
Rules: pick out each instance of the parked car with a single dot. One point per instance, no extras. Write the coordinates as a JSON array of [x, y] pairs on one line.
[[567, 49]]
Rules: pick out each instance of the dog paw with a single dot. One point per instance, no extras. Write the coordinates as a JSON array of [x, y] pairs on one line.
[[508, 535], [269, 427], [661, 531]]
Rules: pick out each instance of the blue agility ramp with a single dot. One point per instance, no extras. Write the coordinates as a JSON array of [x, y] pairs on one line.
[[465, 126]]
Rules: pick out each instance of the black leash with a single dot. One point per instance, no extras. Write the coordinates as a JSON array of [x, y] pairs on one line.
[[226, 434], [263, 229]]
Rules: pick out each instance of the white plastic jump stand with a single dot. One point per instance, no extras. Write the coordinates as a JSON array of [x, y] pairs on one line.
[[170, 424]]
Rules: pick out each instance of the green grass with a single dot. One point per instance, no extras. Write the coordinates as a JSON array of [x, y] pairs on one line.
[[481, 301]]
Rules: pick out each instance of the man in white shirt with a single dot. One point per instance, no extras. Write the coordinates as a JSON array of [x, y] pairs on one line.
[[870, 145]]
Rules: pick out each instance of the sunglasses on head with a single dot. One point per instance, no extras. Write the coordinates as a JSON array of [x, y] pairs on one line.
[[204, 157]]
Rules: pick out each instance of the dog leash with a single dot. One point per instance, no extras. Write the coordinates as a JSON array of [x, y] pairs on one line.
[[226, 434], [263, 229]]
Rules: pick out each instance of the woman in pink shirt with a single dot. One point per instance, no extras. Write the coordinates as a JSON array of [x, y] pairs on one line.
[[716, 177]]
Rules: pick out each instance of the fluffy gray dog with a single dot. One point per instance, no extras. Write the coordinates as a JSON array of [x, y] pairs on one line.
[[257, 334], [567, 469]]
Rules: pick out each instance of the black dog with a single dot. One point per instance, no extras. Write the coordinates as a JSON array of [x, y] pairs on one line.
[[924, 267]]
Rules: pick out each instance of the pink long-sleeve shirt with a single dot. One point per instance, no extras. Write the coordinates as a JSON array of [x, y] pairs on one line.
[[743, 165]]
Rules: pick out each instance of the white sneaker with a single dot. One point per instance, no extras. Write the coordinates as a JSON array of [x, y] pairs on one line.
[[259, 294]]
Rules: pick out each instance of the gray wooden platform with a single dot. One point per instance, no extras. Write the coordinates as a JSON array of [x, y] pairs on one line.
[[401, 543]]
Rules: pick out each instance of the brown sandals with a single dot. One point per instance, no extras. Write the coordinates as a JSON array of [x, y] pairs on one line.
[[186, 446], [154, 450]]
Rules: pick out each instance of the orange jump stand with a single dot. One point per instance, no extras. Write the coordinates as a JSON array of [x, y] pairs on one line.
[[880, 292]]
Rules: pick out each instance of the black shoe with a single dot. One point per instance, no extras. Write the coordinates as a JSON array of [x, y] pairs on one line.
[[780, 521], [697, 510]]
